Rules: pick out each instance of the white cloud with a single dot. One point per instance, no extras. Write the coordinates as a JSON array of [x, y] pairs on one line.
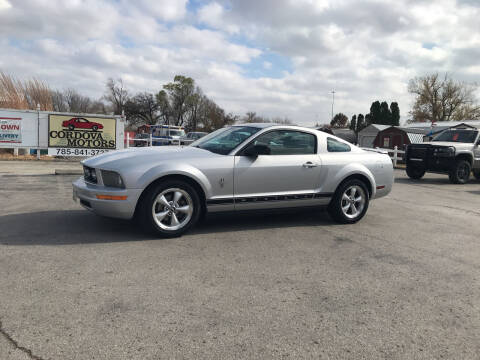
[[365, 50], [4, 5]]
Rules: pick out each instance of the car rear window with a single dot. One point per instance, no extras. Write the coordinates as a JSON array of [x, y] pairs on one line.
[[333, 145]]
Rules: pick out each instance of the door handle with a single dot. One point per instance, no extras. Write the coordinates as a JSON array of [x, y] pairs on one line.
[[309, 165]]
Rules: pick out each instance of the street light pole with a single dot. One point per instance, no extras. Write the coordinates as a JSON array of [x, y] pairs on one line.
[[333, 101]]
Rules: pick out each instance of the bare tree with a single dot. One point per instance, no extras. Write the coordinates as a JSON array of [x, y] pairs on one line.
[[142, 109], [27, 94], [58, 101], [282, 121], [11, 94], [76, 102], [116, 95], [442, 99]]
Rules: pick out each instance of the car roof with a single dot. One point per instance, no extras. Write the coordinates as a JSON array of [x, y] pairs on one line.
[[257, 125]]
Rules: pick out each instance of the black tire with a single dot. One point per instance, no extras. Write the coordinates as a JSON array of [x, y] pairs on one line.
[[145, 210], [476, 174], [415, 172], [335, 207], [94, 127], [71, 127], [460, 172]]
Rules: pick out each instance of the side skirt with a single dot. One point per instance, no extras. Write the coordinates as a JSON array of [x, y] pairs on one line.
[[268, 202]]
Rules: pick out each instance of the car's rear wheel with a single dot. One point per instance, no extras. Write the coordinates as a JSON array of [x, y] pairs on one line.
[[460, 172], [414, 172], [170, 208], [350, 202], [71, 127]]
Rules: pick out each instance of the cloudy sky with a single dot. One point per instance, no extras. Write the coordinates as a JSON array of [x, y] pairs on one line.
[[274, 57]]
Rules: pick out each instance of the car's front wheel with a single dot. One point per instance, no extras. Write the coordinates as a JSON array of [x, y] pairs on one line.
[[170, 208], [350, 202], [94, 127], [460, 172]]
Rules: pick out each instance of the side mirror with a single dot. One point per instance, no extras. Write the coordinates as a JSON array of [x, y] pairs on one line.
[[255, 150]]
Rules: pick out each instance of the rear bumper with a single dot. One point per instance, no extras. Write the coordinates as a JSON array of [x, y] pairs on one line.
[[87, 196]]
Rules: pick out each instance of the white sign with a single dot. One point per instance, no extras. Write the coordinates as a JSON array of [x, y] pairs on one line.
[[11, 130], [75, 152]]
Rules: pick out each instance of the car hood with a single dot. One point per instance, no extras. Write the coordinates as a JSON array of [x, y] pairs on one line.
[[124, 159], [457, 145]]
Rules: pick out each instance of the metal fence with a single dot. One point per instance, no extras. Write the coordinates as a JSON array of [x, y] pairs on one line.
[[150, 140], [395, 154]]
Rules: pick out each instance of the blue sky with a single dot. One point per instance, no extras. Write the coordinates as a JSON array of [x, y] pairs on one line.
[[279, 58]]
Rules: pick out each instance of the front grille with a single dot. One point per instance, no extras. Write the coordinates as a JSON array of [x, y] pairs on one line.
[[417, 152], [85, 203], [89, 174]]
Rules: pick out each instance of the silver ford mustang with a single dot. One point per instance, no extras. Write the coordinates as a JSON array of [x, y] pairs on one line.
[[242, 167]]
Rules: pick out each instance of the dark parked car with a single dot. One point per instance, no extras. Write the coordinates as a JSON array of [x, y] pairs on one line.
[[142, 139], [191, 137]]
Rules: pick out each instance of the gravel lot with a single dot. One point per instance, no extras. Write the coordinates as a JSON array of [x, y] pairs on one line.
[[403, 283]]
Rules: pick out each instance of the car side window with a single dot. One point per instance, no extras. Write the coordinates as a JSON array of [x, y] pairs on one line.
[[288, 142], [334, 145]]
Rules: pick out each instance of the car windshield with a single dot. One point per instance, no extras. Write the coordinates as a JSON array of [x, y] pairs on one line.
[[463, 136], [225, 140]]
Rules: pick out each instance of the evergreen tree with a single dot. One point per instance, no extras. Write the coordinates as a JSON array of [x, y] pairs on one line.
[[353, 123], [361, 123], [385, 114], [376, 113], [395, 111]]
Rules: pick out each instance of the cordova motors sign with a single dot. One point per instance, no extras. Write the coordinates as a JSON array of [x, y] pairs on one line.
[[75, 132]]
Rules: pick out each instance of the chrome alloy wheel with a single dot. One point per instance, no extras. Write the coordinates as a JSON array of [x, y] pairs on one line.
[[172, 209], [353, 201]]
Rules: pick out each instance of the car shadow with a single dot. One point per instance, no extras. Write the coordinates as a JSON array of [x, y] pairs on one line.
[[82, 227], [441, 180]]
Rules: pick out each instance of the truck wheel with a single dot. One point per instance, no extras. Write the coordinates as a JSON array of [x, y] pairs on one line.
[[476, 174], [415, 172], [169, 208], [350, 202], [460, 172]]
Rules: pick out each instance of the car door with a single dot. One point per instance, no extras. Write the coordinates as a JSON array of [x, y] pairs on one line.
[[476, 154], [287, 177], [83, 124]]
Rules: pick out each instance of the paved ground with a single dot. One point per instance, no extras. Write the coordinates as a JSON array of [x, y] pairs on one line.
[[13, 167], [403, 283]]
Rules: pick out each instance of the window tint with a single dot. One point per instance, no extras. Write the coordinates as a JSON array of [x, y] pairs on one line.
[[334, 145], [288, 142]]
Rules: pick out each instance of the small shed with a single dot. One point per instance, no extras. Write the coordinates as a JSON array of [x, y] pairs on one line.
[[343, 133], [399, 136], [367, 136]]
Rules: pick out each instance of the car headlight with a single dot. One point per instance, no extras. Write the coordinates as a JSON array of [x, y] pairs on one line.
[[89, 174], [112, 179], [444, 151]]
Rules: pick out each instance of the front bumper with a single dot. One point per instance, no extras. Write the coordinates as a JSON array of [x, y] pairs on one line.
[[87, 195]]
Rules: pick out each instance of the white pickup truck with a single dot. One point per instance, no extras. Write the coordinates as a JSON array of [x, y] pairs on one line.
[[455, 151]]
